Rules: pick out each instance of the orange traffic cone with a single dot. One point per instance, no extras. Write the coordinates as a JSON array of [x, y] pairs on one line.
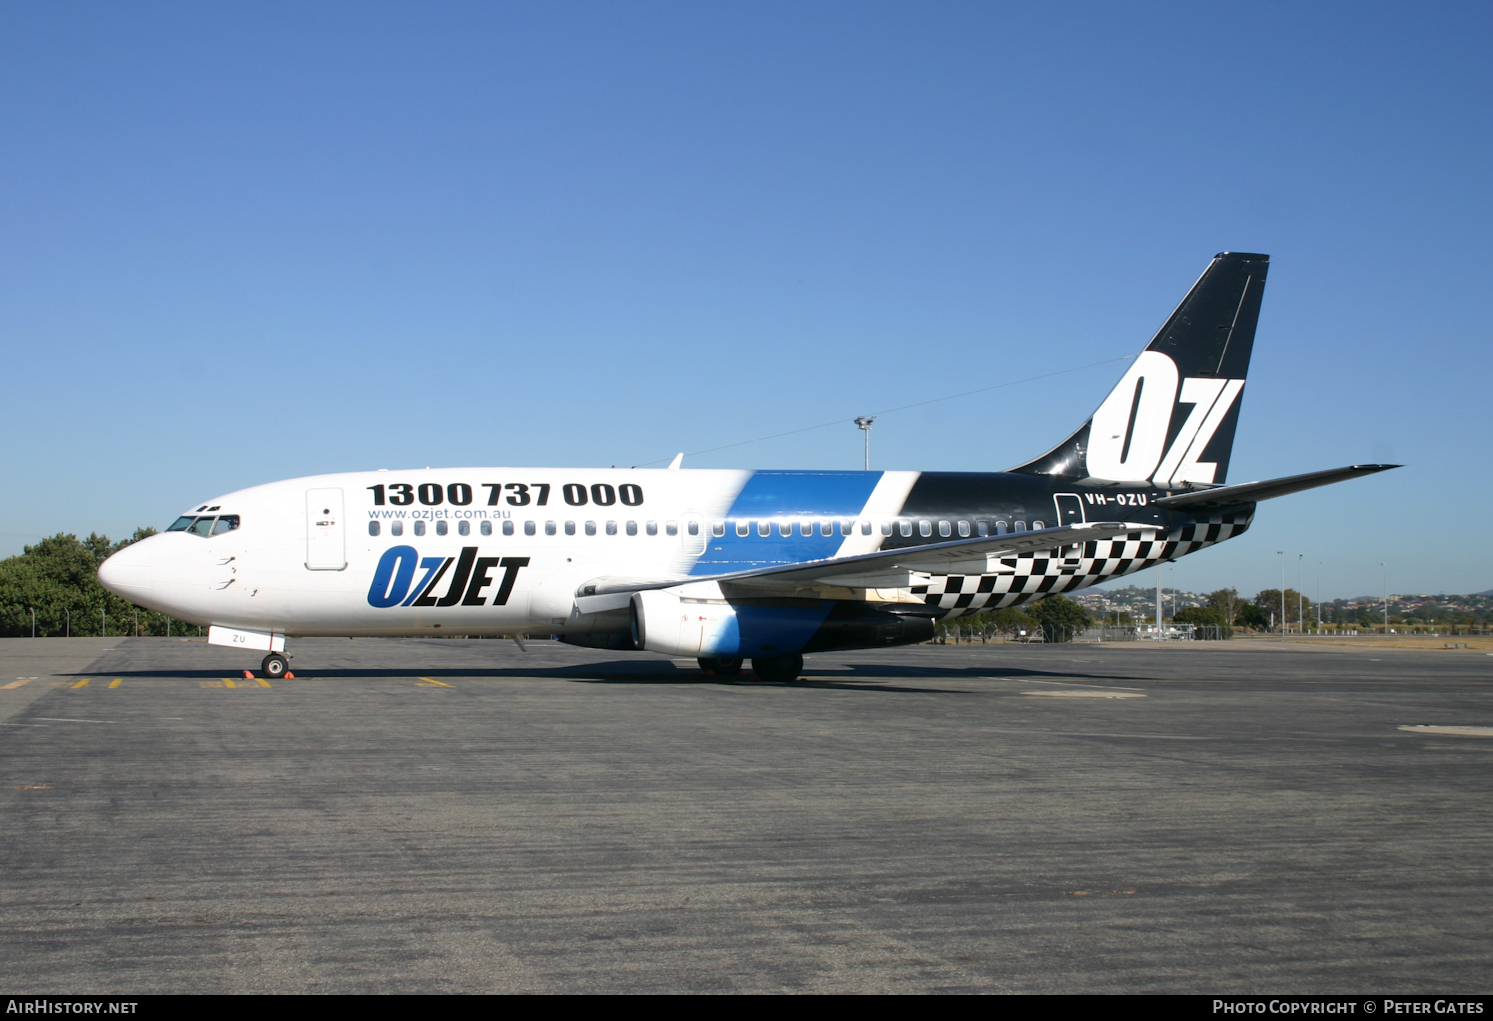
[[248, 676]]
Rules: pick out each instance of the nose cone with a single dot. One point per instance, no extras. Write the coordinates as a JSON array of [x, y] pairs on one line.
[[127, 573]]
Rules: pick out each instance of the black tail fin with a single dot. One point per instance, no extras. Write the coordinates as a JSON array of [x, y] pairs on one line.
[[1171, 418]]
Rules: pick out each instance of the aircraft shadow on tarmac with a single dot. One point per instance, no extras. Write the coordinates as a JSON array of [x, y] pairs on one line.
[[849, 677]]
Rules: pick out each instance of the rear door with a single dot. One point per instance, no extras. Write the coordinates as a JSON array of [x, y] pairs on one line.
[[326, 544], [1070, 512]]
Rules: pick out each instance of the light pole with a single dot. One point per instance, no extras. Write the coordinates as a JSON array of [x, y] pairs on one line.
[[1319, 596], [33, 622], [863, 422], [1300, 586], [68, 632], [1282, 554], [1386, 598]]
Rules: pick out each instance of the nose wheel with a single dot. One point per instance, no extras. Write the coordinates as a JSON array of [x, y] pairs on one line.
[[275, 665]]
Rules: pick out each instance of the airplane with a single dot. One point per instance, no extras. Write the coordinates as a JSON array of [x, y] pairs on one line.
[[723, 565]]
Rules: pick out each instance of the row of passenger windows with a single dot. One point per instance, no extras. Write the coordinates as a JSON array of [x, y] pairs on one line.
[[532, 528], [743, 527]]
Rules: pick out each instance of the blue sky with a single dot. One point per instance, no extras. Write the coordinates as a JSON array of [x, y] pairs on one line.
[[248, 242]]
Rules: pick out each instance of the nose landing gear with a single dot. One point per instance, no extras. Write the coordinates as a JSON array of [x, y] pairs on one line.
[[275, 664]]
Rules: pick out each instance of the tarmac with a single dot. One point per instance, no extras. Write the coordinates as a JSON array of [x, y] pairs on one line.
[[412, 815]]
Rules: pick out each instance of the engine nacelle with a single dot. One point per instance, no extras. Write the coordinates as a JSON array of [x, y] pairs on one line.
[[664, 622], [677, 624]]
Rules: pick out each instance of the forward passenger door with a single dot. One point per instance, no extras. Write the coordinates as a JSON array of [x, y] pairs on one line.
[[326, 544]]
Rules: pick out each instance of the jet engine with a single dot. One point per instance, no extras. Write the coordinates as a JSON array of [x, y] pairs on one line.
[[676, 625]]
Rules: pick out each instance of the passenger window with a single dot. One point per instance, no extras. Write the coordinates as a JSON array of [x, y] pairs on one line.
[[886, 528], [226, 523], [440, 528], [743, 527], [590, 528], [181, 524], [692, 527], [1038, 525], [1021, 526], [419, 528], [925, 528], [981, 528], [826, 528], [485, 528], [570, 528], [612, 528], [785, 528], [463, 528], [964, 529], [632, 528], [651, 528], [549, 528], [806, 528], [373, 528], [717, 528], [905, 527], [396, 528], [1000, 528], [764, 528], [943, 529], [529, 528], [508, 528], [671, 528]]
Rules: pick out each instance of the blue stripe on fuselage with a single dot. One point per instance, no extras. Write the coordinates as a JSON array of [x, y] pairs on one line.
[[783, 496]]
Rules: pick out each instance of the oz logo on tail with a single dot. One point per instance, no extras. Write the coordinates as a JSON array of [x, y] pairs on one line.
[[1128, 434]]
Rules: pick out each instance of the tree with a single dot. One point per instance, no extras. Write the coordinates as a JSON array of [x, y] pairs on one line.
[[1251, 616], [1226, 601], [1296, 604], [58, 577], [1060, 618], [1205, 616]]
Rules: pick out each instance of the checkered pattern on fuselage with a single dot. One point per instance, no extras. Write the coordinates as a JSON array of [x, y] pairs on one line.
[[1038, 574]]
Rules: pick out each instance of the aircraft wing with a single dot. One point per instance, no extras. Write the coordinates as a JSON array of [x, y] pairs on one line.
[[885, 569], [1251, 492]]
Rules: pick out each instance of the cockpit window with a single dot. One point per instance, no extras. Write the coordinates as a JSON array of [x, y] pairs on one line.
[[205, 525]]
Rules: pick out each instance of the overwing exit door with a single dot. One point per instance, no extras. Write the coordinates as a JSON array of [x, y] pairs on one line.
[[326, 545]]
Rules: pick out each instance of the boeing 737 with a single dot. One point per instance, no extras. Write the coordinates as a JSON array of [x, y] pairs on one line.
[[726, 566]]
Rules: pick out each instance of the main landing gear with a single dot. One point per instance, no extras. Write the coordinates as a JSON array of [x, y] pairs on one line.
[[777, 669], [275, 664], [781, 669]]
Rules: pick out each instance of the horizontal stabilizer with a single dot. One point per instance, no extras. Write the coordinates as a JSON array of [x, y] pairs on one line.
[[1252, 492]]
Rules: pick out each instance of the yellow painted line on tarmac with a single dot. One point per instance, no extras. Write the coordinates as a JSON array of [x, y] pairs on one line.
[[262, 682], [82, 684], [116, 682], [432, 680], [17, 683], [229, 683]]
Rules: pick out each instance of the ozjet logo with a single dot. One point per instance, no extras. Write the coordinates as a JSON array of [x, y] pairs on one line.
[[1128, 434], [394, 580]]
